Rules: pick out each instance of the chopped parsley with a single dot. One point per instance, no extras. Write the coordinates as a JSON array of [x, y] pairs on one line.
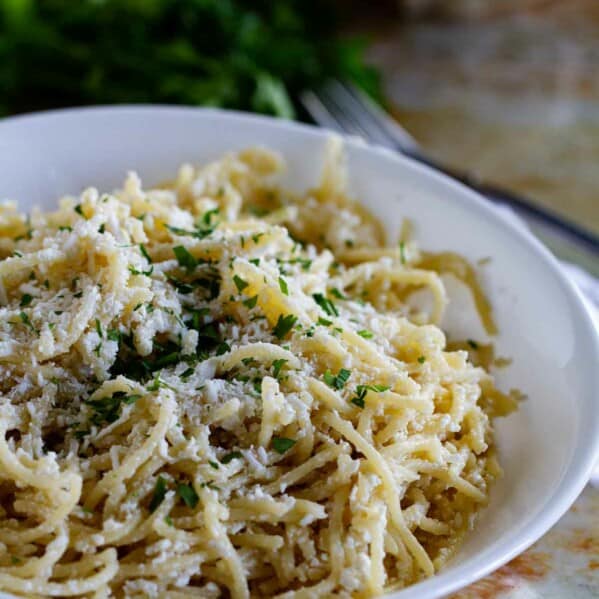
[[213, 464], [65, 228], [282, 444], [421, 359], [335, 292], [283, 286], [203, 229], [284, 325], [362, 390], [25, 300], [366, 334], [159, 493], [251, 302], [79, 210], [337, 382], [255, 261], [144, 252], [240, 283], [113, 335], [146, 273], [402, 252], [326, 304], [98, 328], [168, 520], [107, 409], [473, 344], [25, 320], [188, 494], [187, 373], [102, 228], [324, 322], [276, 367], [184, 258], [233, 455]]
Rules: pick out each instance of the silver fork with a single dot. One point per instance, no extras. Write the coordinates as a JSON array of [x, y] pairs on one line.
[[344, 108]]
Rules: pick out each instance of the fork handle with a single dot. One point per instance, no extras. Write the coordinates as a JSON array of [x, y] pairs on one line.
[[545, 219]]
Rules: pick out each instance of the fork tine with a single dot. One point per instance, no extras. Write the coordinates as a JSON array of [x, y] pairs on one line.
[[318, 111], [356, 113], [401, 137], [327, 113]]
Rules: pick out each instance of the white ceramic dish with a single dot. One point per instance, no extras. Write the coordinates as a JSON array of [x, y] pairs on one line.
[[547, 448]]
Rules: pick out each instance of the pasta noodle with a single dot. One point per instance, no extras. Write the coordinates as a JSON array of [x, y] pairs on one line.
[[216, 388]]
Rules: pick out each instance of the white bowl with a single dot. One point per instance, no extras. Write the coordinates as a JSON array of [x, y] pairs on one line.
[[547, 448]]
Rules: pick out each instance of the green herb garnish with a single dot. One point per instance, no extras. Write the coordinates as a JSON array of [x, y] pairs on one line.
[[159, 493], [337, 382], [250, 302], [26, 299], [284, 325], [277, 365], [282, 444], [366, 334], [326, 304], [188, 494], [233, 455], [144, 253], [283, 286], [240, 283], [184, 258]]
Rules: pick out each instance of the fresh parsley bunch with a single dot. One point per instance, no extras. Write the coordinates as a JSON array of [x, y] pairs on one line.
[[250, 55]]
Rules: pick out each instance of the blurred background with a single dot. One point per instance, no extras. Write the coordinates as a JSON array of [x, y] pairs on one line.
[[506, 89]]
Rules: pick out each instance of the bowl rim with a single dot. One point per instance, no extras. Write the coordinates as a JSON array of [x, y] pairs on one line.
[[586, 449]]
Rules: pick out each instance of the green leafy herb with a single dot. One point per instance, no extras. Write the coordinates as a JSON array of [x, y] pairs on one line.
[[283, 286], [79, 210], [282, 444], [402, 252], [473, 344], [102, 228], [336, 293], [366, 334], [326, 304], [233, 455], [250, 302], [239, 283], [65, 228], [184, 258], [26, 299], [25, 320], [255, 261], [337, 382], [362, 390], [358, 401], [145, 273], [144, 253], [187, 373], [113, 335], [159, 493], [168, 520], [188, 494], [106, 409], [98, 328], [324, 322], [421, 359], [213, 464], [277, 365], [284, 325]]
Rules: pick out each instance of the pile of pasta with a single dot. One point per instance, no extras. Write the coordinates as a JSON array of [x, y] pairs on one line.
[[217, 388]]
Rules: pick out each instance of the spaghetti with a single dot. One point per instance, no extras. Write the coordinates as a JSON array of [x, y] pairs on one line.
[[216, 388]]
